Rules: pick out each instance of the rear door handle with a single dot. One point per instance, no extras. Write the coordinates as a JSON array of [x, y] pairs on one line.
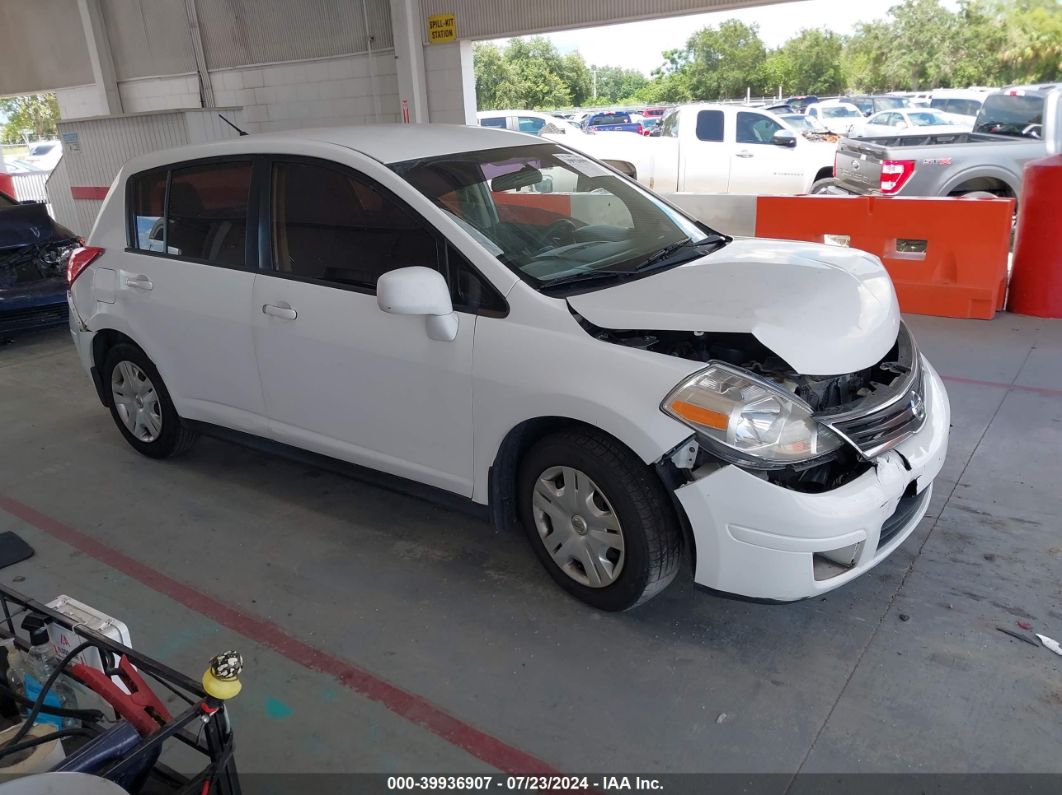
[[283, 311], [139, 281], [744, 154]]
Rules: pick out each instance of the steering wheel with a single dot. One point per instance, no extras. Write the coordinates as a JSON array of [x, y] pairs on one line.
[[560, 233]]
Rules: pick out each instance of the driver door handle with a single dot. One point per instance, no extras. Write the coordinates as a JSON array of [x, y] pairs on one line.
[[283, 311], [139, 281], [744, 153]]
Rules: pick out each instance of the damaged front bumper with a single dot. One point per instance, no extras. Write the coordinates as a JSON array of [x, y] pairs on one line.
[[764, 541]]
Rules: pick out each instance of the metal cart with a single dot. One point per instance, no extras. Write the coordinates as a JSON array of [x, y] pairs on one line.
[[202, 726]]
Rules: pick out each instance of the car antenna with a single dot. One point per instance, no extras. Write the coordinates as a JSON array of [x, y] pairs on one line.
[[233, 126]]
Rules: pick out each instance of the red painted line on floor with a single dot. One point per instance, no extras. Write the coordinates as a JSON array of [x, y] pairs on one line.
[[1036, 390], [410, 706]]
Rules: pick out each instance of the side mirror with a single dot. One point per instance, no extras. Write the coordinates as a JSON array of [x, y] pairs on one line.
[[419, 291], [784, 138]]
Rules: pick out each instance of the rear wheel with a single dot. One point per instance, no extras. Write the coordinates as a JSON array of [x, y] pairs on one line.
[[141, 405], [598, 519], [829, 185]]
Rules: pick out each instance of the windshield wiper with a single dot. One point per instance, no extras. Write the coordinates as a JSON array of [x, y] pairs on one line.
[[668, 251], [591, 276]]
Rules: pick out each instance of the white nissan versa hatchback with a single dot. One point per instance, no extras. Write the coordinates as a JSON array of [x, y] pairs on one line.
[[506, 319]]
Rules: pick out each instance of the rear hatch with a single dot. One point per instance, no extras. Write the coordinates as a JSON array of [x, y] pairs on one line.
[[858, 165]]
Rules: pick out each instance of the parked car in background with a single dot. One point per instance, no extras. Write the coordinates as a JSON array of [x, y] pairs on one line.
[[44, 155], [869, 104], [800, 103], [33, 259], [801, 123], [621, 383], [1014, 126], [529, 121], [917, 121], [657, 113], [964, 104], [651, 124], [612, 121], [837, 117], [707, 148]]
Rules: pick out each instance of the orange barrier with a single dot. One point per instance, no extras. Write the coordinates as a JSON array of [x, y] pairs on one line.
[[1036, 283], [947, 257]]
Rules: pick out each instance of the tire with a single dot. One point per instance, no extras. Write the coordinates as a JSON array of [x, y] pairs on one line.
[[615, 489], [134, 387], [826, 186]]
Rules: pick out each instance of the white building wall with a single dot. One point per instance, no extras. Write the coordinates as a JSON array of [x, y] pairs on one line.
[[451, 83], [316, 93]]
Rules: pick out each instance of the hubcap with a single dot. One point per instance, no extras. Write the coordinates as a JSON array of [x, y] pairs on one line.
[[578, 526], [136, 401]]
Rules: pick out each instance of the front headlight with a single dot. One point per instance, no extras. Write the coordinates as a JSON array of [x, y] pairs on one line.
[[748, 420]]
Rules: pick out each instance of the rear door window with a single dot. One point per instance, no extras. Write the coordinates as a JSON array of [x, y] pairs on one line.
[[196, 212], [206, 217], [709, 125]]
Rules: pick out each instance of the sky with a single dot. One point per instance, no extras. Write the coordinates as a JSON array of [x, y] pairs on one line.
[[638, 45]]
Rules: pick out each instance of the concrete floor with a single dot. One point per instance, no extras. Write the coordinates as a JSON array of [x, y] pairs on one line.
[[386, 633]]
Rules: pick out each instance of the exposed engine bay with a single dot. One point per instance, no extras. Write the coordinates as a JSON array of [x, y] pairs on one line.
[[826, 395]]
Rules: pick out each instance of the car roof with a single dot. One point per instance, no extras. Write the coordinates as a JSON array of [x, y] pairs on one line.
[[387, 143]]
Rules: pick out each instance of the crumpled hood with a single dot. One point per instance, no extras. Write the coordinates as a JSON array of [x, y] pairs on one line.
[[29, 225], [825, 310]]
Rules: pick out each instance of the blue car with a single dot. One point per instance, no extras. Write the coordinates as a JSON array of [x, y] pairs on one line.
[[33, 256]]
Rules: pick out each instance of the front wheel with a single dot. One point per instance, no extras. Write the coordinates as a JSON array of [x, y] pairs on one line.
[[598, 519], [141, 405]]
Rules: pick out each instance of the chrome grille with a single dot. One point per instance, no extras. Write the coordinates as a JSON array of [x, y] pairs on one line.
[[877, 431]]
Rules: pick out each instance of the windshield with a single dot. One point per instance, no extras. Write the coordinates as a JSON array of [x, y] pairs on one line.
[[554, 216], [926, 118], [839, 113], [798, 122], [610, 118], [1012, 114]]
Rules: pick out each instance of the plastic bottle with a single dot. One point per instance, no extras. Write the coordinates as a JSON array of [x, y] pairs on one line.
[[36, 666]]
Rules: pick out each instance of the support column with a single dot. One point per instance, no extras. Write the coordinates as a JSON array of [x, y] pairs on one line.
[[99, 50], [406, 26]]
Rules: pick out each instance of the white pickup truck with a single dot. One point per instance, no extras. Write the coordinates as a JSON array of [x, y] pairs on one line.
[[715, 149]]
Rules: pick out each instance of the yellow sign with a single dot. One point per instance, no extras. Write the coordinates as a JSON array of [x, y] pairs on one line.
[[442, 28]]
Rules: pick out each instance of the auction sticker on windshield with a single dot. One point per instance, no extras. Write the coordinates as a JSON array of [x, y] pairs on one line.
[[585, 166]]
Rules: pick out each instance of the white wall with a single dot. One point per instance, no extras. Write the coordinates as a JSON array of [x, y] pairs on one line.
[[316, 93], [451, 83]]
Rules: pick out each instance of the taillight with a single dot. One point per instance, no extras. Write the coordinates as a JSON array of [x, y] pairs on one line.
[[81, 258], [640, 129], [894, 174]]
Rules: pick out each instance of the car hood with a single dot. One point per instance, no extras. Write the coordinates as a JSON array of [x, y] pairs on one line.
[[825, 310], [29, 225]]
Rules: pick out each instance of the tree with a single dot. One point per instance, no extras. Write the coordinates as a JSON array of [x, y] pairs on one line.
[[808, 63], [615, 83], [1032, 45], [721, 62], [491, 71], [32, 117]]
